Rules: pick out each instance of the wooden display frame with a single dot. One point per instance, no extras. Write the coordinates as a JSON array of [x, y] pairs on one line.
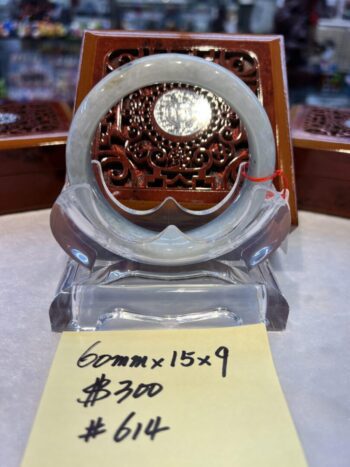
[[268, 51]]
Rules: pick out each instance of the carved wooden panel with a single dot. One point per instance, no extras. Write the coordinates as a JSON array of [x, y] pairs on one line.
[[18, 119], [321, 139], [327, 122], [242, 63], [258, 60], [137, 155]]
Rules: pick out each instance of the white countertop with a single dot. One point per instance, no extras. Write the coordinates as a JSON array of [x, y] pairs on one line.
[[312, 356]]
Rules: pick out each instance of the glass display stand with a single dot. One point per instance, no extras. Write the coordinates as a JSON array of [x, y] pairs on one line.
[[170, 266]]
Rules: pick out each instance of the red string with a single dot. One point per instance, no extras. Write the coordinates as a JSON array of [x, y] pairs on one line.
[[276, 173]]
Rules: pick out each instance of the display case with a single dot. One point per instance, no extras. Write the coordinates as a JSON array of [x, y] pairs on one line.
[[321, 141], [32, 151]]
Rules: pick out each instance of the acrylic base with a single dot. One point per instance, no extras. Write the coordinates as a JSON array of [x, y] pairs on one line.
[[128, 295]]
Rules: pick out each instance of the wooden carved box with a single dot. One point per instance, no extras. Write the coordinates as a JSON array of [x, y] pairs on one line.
[[145, 158], [321, 140], [32, 152]]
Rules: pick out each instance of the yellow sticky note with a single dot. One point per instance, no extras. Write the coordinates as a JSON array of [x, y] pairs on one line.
[[200, 397]]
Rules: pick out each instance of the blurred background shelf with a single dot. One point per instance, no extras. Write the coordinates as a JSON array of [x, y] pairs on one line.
[[40, 40]]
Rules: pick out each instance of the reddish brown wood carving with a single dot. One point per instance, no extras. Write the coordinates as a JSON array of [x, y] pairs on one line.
[[197, 183], [321, 140], [242, 63], [327, 122], [31, 118], [136, 154]]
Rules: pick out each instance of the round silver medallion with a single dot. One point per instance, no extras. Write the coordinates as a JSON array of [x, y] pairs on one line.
[[182, 112]]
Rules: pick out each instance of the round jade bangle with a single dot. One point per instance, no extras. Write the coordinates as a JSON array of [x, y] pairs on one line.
[[171, 246]]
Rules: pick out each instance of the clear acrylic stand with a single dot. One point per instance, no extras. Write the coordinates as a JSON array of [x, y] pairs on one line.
[[117, 293], [127, 295], [169, 266]]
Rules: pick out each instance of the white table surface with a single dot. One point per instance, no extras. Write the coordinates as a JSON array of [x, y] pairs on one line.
[[312, 356]]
